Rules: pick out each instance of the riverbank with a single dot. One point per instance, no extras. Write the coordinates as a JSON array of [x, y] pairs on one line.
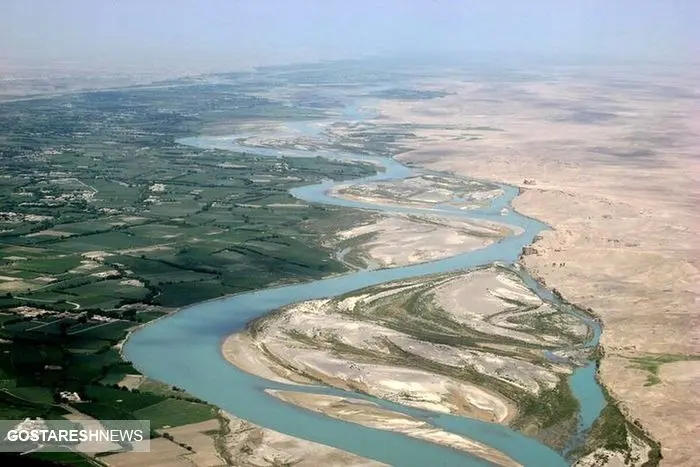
[[246, 444], [228, 440]]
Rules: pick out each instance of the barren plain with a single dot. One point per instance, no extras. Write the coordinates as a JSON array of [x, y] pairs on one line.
[[608, 157]]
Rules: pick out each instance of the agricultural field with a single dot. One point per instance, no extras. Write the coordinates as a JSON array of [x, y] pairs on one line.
[[108, 222]]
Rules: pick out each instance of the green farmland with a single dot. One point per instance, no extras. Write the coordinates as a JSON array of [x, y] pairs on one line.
[[107, 222]]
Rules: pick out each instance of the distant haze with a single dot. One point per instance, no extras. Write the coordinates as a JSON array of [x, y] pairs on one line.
[[208, 35]]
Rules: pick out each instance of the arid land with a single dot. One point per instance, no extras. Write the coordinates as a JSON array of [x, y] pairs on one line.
[[608, 158]]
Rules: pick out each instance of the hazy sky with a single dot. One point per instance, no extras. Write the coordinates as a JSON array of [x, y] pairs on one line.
[[228, 34]]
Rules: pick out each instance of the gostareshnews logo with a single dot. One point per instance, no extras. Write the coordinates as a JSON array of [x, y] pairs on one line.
[[80, 435]]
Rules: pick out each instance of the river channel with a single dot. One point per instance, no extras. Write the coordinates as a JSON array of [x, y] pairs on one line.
[[184, 348]]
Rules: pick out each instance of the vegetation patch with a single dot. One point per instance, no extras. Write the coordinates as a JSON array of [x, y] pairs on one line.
[[116, 223], [64, 457], [652, 363], [175, 412], [612, 431]]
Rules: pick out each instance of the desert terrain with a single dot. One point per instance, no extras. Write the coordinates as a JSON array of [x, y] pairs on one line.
[[608, 157]]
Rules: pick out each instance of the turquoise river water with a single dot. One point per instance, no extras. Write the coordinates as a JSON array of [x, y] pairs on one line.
[[184, 348]]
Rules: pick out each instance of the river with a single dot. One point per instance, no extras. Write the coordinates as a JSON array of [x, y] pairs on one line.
[[184, 348]]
